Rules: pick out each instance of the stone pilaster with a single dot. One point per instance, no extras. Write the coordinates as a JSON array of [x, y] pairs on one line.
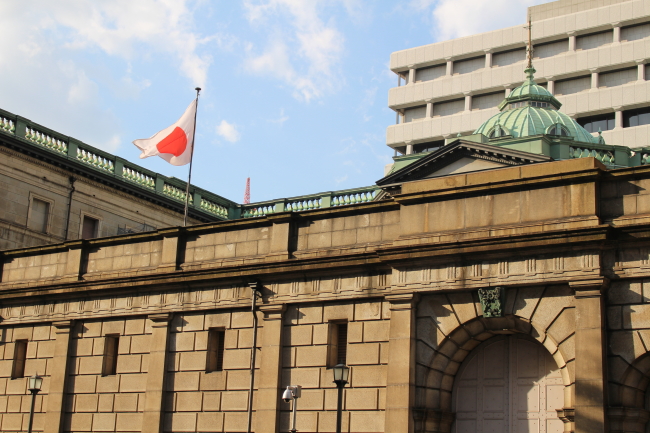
[[400, 377], [280, 248], [152, 420], [169, 253], [268, 393], [590, 381], [74, 262], [59, 367]]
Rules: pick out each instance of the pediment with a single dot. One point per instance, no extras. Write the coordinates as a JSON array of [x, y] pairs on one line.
[[458, 157]]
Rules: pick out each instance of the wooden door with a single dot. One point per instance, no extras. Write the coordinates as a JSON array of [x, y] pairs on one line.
[[509, 384]]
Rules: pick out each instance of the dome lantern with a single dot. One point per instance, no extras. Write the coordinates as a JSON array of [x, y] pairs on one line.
[[530, 110]]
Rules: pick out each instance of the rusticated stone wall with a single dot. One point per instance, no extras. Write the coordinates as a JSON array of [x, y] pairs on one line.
[[568, 241]]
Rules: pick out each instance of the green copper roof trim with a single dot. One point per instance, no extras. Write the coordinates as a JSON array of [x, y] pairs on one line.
[[530, 91], [404, 160]]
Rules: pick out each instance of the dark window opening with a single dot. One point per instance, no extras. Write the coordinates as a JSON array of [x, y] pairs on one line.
[[531, 104], [428, 147], [20, 356], [558, 130], [638, 117], [111, 345], [604, 122], [338, 344], [214, 360], [90, 226]]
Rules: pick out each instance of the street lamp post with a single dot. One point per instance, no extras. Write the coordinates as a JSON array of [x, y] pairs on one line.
[[341, 373], [292, 394], [35, 383]]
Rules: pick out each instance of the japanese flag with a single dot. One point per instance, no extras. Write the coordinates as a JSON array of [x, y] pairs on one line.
[[174, 143]]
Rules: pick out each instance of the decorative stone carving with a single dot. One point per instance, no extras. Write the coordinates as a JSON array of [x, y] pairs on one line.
[[492, 301]]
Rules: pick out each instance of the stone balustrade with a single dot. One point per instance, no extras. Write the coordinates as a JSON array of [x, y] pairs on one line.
[[74, 151], [7, 125], [311, 202], [118, 169]]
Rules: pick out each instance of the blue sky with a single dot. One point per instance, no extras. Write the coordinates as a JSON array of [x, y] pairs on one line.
[[295, 91]]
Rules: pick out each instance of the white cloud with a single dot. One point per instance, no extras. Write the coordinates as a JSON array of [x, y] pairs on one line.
[[61, 64], [457, 18], [307, 56], [280, 120], [228, 131]]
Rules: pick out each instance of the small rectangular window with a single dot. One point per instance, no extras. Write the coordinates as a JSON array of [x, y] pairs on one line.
[[90, 226], [604, 122], [214, 360], [20, 355], [111, 345], [338, 344], [39, 215], [637, 117]]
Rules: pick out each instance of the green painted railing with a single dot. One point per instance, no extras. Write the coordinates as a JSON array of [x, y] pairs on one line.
[[135, 176], [309, 202]]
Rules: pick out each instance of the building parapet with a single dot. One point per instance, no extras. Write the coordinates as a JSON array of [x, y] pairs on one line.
[[313, 201], [204, 205]]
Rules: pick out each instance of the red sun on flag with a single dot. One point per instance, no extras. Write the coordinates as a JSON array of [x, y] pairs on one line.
[[175, 143]]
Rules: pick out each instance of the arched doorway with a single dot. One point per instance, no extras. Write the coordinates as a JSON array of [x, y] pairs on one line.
[[508, 384]]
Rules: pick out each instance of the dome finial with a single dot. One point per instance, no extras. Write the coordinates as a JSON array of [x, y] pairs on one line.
[[529, 50], [530, 70]]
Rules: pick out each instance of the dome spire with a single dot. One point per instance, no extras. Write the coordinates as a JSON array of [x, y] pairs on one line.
[[529, 50], [530, 70]]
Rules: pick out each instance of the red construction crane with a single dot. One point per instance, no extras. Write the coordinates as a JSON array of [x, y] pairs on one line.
[[247, 193]]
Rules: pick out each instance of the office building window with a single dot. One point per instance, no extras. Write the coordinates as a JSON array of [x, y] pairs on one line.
[[637, 117], [111, 344], [214, 360], [428, 147], [20, 355], [338, 343], [604, 122]]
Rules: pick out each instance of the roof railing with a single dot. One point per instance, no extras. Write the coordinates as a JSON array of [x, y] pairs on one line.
[[310, 202], [112, 165], [170, 187]]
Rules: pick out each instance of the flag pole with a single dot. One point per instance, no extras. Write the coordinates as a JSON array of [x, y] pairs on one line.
[[189, 176]]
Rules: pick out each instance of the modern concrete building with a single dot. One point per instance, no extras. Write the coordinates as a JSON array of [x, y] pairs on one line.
[[590, 54]]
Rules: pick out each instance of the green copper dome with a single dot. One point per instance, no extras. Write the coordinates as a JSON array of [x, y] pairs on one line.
[[529, 110]]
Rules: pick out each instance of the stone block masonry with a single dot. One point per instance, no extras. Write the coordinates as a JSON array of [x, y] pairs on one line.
[[567, 242]]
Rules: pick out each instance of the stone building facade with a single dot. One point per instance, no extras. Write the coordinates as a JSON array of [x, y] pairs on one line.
[[565, 242], [55, 188], [500, 282]]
